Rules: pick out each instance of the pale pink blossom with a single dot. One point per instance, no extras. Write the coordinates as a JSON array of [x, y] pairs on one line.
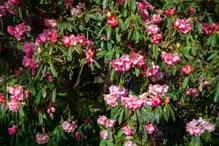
[[111, 100], [130, 143], [101, 120], [90, 54], [51, 110], [69, 127], [42, 138], [137, 59], [153, 29], [151, 128], [184, 26], [158, 90], [47, 36], [128, 131], [187, 70], [151, 72], [157, 38], [104, 135], [118, 91], [193, 92], [124, 64], [15, 105], [156, 18], [133, 102], [50, 23], [171, 59]]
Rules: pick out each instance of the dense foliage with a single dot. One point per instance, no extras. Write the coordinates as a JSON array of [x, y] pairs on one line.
[[109, 72]]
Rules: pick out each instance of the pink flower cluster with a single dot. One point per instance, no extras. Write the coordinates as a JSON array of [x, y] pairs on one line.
[[104, 135], [171, 59], [42, 138], [157, 38], [106, 122], [51, 110], [156, 18], [154, 73], [158, 90], [73, 40], [192, 92], [18, 95], [19, 32], [184, 26], [3, 13], [13, 130], [28, 61], [125, 63], [170, 12], [11, 6], [115, 93], [151, 128], [130, 143], [133, 102], [2, 99], [128, 132], [198, 127], [144, 8], [187, 70], [207, 29], [47, 36], [90, 54], [50, 23], [113, 21], [69, 127]]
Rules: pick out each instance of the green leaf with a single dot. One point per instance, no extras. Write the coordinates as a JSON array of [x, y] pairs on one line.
[[212, 56], [130, 34], [118, 36], [58, 59], [172, 114], [210, 21], [105, 4], [109, 56], [199, 26], [195, 141], [101, 54], [122, 24], [121, 117], [103, 142], [54, 95], [109, 32], [128, 22], [97, 64], [155, 51], [166, 113], [173, 68], [216, 95], [185, 82], [133, 5], [112, 75], [137, 72], [44, 92], [53, 69], [185, 51]]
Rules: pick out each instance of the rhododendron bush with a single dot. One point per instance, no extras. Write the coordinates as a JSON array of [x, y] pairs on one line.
[[109, 72]]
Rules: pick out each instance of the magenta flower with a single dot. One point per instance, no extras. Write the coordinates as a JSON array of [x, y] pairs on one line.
[[13, 130]]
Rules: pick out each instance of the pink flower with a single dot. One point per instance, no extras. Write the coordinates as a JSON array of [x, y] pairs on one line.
[[157, 38], [3, 13], [187, 70], [113, 21], [101, 120], [13, 130], [198, 127], [29, 49], [104, 135], [47, 36], [50, 23], [170, 13], [157, 77], [29, 63], [124, 64], [14, 106], [111, 100], [194, 92], [77, 136], [18, 93], [151, 72], [2, 98], [66, 41], [110, 123], [207, 29], [49, 78], [118, 91], [68, 3], [90, 54], [19, 32], [128, 131], [156, 18], [184, 26], [69, 127], [137, 59], [42, 138], [15, 2], [157, 101], [216, 27], [153, 29], [11, 8], [192, 11], [171, 59], [18, 73], [158, 90], [133, 102], [151, 128], [51, 110], [130, 143]]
